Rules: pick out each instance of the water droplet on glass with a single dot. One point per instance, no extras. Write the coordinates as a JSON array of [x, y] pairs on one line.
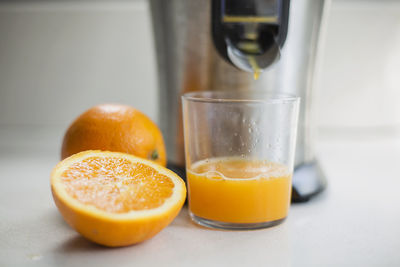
[[235, 134]]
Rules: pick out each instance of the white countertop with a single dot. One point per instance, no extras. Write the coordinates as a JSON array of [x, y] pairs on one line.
[[355, 222]]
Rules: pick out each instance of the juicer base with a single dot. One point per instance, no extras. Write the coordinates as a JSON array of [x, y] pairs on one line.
[[308, 180]]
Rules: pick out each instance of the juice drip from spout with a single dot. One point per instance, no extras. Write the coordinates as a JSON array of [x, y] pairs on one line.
[[256, 69], [256, 75]]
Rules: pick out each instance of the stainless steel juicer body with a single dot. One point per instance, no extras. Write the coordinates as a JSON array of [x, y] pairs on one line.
[[188, 61]]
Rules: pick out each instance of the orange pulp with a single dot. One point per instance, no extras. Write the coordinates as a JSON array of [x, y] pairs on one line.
[[239, 190]]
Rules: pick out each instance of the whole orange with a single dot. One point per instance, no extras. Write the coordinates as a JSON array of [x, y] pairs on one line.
[[116, 128]]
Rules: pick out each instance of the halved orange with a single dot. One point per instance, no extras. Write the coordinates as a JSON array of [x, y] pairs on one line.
[[116, 199]]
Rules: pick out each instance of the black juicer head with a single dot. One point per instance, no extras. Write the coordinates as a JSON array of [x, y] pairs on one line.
[[249, 34]]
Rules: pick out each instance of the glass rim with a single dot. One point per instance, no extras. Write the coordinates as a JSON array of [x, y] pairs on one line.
[[241, 96]]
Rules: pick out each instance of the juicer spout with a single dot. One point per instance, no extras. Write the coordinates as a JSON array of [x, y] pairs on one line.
[[249, 34]]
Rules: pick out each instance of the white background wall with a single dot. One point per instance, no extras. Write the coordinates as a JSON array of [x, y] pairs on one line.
[[360, 77], [59, 58]]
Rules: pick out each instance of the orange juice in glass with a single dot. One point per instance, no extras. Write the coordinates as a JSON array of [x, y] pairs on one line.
[[239, 151]]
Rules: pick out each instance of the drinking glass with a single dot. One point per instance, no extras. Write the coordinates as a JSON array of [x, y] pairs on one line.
[[239, 151]]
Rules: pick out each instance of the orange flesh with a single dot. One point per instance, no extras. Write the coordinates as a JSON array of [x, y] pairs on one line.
[[116, 185], [239, 191]]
